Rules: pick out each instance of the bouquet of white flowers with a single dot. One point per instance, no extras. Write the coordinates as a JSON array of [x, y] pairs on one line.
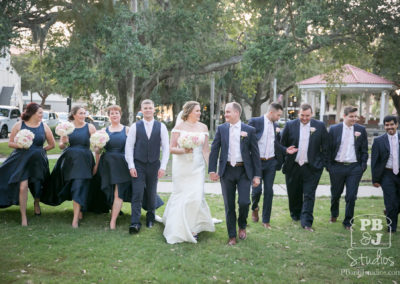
[[24, 138], [65, 128], [190, 140], [99, 139]]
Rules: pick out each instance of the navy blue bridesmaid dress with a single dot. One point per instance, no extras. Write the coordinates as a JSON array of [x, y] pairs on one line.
[[71, 176], [24, 164]]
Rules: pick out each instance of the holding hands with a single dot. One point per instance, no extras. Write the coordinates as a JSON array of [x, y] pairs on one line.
[[291, 150]]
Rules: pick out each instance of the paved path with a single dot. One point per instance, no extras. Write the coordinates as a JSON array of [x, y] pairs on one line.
[[279, 189]]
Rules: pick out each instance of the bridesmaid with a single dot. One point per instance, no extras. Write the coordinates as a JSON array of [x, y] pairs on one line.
[[71, 176], [112, 167], [26, 168]]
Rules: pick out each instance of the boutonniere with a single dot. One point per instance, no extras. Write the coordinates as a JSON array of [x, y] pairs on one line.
[[312, 130], [243, 134], [357, 134], [277, 130]]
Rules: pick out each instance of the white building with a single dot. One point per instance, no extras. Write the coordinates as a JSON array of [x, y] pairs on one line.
[[10, 83]]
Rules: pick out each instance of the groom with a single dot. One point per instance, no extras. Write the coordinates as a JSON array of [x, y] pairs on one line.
[[239, 166], [142, 153]]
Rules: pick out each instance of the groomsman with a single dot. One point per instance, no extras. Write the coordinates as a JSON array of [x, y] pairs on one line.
[[271, 153], [142, 153], [304, 168], [385, 169], [348, 156], [235, 144]]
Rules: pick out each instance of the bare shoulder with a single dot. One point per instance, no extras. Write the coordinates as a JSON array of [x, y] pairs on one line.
[[92, 129], [203, 127], [17, 126]]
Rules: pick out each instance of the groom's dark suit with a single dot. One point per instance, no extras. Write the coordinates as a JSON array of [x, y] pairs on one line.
[[235, 177], [302, 181], [350, 170], [269, 166], [383, 175]]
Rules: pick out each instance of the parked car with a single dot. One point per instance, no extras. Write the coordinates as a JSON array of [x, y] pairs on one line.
[[101, 121], [50, 118], [9, 116], [62, 116]]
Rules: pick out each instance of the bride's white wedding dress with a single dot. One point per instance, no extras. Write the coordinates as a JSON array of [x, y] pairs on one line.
[[187, 212]]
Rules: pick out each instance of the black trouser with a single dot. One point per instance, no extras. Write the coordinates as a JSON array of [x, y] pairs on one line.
[[391, 195], [235, 178], [267, 176], [340, 175], [144, 184], [301, 185]]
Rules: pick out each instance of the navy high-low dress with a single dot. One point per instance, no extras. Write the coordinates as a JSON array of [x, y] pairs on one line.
[[24, 164], [70, 178]]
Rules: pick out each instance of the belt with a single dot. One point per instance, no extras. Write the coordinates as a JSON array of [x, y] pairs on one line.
[[345, 163], [265, 159], [389, 169], [238, 164]]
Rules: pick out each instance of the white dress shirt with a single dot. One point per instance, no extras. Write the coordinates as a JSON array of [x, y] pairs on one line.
[[389, 163], [267, 140], [131, 140], [304, 139], [350, 155], [234, 142]]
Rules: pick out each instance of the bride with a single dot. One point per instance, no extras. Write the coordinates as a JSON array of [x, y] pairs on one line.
[[187, 213]]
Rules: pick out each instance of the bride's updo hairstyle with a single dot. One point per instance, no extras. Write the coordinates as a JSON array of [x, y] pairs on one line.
[[188, 108]]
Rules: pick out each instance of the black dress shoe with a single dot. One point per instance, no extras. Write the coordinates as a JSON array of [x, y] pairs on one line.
[[149, 224], [134, 229]]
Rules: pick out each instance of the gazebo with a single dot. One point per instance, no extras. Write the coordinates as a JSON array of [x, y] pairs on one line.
[[347, 80]]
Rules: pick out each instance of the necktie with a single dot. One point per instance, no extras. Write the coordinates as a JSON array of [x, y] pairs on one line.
[[303, 151], [232, 145], [345, 145], [267, 147], [395, 151]]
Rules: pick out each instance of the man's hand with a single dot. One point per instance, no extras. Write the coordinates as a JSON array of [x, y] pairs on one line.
[[64, 139], [133, 173], [291, 150], [256, 181], [376, 184], [214, 176], [161, 173]]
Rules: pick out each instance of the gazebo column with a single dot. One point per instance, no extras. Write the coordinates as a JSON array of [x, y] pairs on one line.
[[383, 107], [387, 103], [360, 110], [338, 107], [313, 101], [322, 106], [367, 108], [304, 96]]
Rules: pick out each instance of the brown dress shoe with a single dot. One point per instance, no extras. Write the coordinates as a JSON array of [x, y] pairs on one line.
[[232, 241], [309, 229], [266, 225], [333, 220], [242, 234], [348, 228], [254, 215]]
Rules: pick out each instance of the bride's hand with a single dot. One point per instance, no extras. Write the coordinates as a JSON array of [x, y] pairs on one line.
[[188, 150]]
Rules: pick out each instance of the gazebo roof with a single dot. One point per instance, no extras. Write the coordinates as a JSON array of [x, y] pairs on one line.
[[351, 80]]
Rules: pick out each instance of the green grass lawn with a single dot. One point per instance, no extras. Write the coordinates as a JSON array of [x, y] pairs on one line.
[[6, 151], [50, 251]]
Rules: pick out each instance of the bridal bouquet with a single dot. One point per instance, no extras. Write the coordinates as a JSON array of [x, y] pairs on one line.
[[24, 138], [64, 128], [190, 140], [99, 139]]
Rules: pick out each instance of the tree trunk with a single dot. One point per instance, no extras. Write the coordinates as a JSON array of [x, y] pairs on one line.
[[396, 101], [256, 104], [123, 99], [43, 97]]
